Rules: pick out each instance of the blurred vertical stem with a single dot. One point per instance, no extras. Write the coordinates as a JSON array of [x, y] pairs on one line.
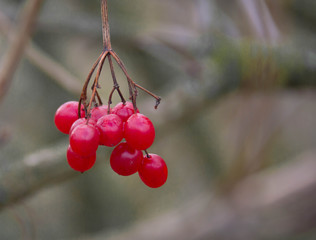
[[43, 61], [19, 41]]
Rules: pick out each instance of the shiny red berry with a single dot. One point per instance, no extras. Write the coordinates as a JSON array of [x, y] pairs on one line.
[[153, 171], [66, 115], [124, 111], [98, 112], [139, 131], [79, 122], [78, 162], [110, 127], [84, 140], [125, 160]]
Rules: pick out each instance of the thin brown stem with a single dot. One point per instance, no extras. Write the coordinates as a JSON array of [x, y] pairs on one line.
[[99, 98], [85, 86], [158, 99], [115, 83], [83, 96], [121, 64], [110, 100], [131, 82], [96, 83], [112, 71], [105, 25]]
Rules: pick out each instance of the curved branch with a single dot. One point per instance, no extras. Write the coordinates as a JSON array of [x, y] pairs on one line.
[[45, 167]]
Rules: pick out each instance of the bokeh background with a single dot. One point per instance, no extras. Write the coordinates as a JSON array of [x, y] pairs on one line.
[[236, 124]]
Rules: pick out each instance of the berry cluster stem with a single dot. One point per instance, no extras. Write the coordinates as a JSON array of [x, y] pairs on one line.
[[105, 26], [108, 52]]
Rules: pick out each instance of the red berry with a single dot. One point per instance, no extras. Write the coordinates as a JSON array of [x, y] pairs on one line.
[[78, 162], [111, 130], [153, 171], [66, 115], [98, 112], [124, 111], [125, 160], [84, 140], [139, 132], [79, 122]]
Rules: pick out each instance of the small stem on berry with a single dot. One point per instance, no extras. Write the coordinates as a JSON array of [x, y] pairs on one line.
[[99, 98], [147, 154], [105, 26], [121, 96], [110, 100], [132, 94], [116, 85]]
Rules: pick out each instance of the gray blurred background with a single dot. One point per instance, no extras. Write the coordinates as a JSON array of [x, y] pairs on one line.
[[236, 125]]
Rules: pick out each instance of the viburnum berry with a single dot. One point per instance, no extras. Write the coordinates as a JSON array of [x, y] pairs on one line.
[[125, 160], [84, 140], [124, 111], [79, 122], [139, 131], [98, 112], [111, 130], [78, 162], [66, 115], [153, 171]]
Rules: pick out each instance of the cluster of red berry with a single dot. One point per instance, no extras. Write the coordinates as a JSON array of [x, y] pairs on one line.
[[108, 127]]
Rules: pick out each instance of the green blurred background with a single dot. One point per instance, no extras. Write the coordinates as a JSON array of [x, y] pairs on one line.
[[236, 125]]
